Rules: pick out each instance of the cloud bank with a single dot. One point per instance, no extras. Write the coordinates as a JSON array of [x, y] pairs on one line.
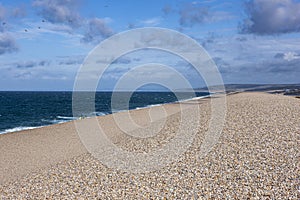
[[97, 29], [192, 14], [272, 17], [7, 43], [248, 59], [59, 11], [30, 64]]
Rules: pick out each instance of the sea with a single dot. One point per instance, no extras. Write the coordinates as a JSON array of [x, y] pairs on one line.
[[29, 110]]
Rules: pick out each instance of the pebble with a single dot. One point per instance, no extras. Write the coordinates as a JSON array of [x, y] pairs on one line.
[[257, 157]]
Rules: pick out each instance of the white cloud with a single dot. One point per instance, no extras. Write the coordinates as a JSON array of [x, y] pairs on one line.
[[151, 22], [59, 11], [272, 17], [256, 59], [289, 56], [7, 43], [97, 30]]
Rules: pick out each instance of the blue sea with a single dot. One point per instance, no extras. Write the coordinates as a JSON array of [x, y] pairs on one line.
[[28, 110]]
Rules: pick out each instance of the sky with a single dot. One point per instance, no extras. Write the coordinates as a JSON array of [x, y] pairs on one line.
[[44, 42]]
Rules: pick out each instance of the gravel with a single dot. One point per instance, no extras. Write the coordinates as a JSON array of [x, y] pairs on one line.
[[256, 157]]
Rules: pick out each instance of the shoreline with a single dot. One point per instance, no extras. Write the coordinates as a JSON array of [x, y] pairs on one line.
[[19, 129], [257, 148], [58, 142]]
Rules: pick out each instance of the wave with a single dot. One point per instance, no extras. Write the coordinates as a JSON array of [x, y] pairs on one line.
[[117, 111], [100, 113], [20, 128], [195, 98], [63, 119], [54, 121], [66, 118], [60, 119], [160, 104], [149, 106]]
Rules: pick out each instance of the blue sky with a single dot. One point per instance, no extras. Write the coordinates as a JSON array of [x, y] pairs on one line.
[[43, 42]]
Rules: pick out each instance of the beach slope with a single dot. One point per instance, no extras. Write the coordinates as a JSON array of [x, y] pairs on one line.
[[257, 156]]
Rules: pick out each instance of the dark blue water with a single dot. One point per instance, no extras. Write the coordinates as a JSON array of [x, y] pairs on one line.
[[25, 110]]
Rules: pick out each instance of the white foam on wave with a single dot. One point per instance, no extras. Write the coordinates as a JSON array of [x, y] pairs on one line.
[[183, 100], [100, 113], [149, 106], [194, 98], [55, 121], [59, 120], [66, 118], [63, 119], [17, 129]]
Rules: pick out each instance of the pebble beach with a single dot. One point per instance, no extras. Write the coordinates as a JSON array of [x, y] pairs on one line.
[[256, 157]]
